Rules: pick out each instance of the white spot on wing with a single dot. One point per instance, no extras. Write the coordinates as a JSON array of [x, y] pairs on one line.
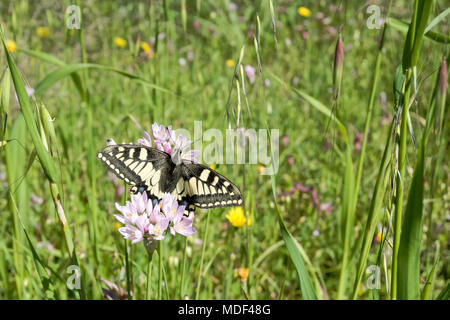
[[204, 175], [143, 154]]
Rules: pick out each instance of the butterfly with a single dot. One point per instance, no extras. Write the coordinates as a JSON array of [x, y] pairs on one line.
[[156, 172]]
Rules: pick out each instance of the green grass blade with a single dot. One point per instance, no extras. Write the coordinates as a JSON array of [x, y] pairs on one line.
[[347, 220], [403, 27], [436, 20], [374, 211], [445, 293], [317, 105], [409, 251], [69, 69], [306, 286], [44, 157]]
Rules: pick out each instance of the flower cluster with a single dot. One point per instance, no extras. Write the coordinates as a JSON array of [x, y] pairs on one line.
[[166, 140], [145, 219]]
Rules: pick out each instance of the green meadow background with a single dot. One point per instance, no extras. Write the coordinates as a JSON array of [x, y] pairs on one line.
[[363, 179]]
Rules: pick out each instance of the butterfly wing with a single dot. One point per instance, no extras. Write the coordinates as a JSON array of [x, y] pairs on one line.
[[206, 188], [139, 166]]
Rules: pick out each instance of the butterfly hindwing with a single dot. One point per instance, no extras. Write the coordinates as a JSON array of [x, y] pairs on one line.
[[207, 188]]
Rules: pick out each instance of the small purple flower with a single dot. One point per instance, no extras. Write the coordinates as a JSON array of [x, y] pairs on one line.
[[190, 56], [250, 72], [146, 141], [182, 143], [132, 233], [163, 138], [29, 90], [183, 227], [233, 6], [290, 160], [285, 140]]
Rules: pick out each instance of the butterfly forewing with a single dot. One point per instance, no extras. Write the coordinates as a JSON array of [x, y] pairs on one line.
[[139, 166]]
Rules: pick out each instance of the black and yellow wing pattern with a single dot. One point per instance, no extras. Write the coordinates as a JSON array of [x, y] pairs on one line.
[[150, 170]]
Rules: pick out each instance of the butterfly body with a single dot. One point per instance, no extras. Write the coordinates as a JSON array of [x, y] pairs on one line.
[[153, 171]]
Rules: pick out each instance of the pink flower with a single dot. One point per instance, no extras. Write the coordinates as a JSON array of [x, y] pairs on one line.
[[163, 138], [110, 142], [131, 233], [250, 72], [183, 227], [142, 220], [146, 141], [182, 144], [196, 24]]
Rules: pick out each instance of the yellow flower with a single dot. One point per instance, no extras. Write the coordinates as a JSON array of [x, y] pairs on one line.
[[380, 237], [236, 217], [147, 49], [230, 63], [360, 290], [120, 42], [43, 32], [304, 12], [242, 273], [261, 169], [11, 45], [117, 225]]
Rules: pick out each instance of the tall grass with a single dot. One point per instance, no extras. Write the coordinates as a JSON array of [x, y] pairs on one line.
[[314, 223]]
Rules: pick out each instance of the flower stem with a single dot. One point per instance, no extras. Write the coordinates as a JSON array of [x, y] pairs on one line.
[[205, 237], [149, 276], [127, 270], [160, 273], [184, 268]]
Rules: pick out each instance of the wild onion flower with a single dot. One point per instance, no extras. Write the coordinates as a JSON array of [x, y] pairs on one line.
[[120, 42], [163, 138], [145, 220], [43, 32], [11, 45], [166, 140]]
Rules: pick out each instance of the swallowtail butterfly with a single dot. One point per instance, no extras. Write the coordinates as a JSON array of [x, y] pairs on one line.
[[156, 172]]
